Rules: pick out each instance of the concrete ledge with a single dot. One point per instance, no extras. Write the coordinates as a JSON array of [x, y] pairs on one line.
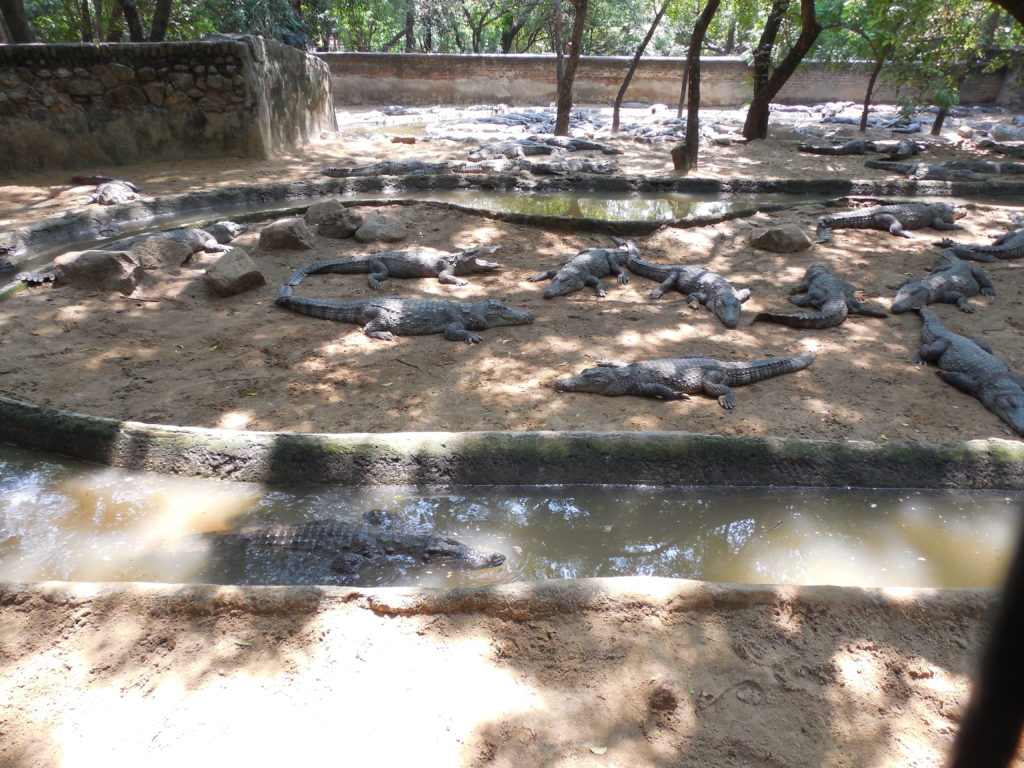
[[513, 458]]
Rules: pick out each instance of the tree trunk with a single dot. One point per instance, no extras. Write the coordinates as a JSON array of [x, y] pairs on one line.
[[161, 20], [97, 20], [134, 21], [410, 26], [393, 41], [564, 107], [875, 71], [688, 160], [1013, 7], [5, 33], [556, 39], [756, 124], [940, 118], [16, 21], [86, 22], [115, 29], [633, 65], [682, 90]]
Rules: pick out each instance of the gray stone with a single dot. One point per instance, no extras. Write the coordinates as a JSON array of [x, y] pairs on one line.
[[288, 234], [121, 72], [97, 270], [160, 253], [235, 272], [1007, 133], [319, 210], [85, 87], [784, 239], [343, 223], [381, 229]]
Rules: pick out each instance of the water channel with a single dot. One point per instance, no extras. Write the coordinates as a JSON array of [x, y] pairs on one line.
[[69, 521]]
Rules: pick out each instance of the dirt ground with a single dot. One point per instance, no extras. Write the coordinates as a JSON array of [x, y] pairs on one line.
[[632, 672]]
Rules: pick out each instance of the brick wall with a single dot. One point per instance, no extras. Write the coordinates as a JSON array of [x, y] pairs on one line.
[[82, 105], [520, 79]]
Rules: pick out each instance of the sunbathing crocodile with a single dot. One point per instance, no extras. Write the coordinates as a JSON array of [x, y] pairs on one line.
[[585, 268], [679, 377], [405, 264], [925, 171], [972, 367], [212, 239], [406, 167], [352, 546], [388, 316], [113, 192], [696, 283], [894, 218], [1008, 246], [833, 298], [951, 281], [904, 149], [852, 147]]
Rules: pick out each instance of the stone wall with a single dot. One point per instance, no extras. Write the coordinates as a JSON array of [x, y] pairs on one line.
[[520, 79], [80, 106]]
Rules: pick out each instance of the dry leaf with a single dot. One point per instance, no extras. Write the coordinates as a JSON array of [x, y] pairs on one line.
[[599, 750]]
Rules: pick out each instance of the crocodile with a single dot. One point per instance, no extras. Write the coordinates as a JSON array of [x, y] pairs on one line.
[[354, 546], [951, 281], [852, 147], [1007, 246], [833, 298], [575, 144], [406, 167], [697, 283], [925, 171], [388, 316], [585, 268], [677, 378], [113, 192], [972, 367], [212, 239], [894, 218], [984, 166], [904, 149], [404, 264]]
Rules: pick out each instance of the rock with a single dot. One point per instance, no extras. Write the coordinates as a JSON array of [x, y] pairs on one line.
[[381, 229], [160, 253], [98, 270], [286, 234], [965, 131], [784, 239], [234, 272], [320, 209], [1006, 133], [343, 223]]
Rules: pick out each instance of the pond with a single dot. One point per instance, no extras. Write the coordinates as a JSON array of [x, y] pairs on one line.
[[61, 520]]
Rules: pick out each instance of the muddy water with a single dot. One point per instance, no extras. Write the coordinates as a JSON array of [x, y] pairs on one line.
[[67, 521]]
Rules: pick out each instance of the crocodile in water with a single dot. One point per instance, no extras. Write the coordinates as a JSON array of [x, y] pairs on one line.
[[585, 268], [697, 283], [352, 546], [403, 264], [388, 316], [678, 377], [894, 218], [951, 281], [970, 366], [833, 298]]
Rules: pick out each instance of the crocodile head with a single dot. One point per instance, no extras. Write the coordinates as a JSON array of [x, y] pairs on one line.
[[469, 262], [600, 381], [496, 314], [950, 212], [1005, 399], [563, 283], [726, 307], [442, 549], [910, 296]]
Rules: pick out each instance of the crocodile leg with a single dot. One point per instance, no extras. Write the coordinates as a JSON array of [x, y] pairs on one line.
[[891, 223], [616, 268], [713, 386], [932, 351], [742, 295], [961, 381], [596, 284], [955, 297], [378, 272], [377, 328], [458, 332], [447, 276], [801, 301], [695, 299], [987, 289], [666, 285], [859, 308], [650, 389], [940, 223], [543, 276]]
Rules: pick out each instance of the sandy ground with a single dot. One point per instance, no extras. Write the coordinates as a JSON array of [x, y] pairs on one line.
[[620, 673]]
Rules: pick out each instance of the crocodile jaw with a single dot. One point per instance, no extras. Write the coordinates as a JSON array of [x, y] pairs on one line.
[[1005, 400], [598, 381], [907, 300]]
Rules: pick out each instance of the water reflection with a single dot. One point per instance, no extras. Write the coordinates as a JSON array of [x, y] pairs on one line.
[[60, 520]]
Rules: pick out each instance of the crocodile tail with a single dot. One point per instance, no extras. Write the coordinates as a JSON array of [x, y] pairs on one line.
[[759, 370], [338, 267], [815, 320], [339, 311]]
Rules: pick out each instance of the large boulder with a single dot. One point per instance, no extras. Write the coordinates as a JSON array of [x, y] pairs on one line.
[[290, 234], [97, 271], [160, 252], [343, 223], [234, 272], [321, 209], [783, 239], [381, 229]]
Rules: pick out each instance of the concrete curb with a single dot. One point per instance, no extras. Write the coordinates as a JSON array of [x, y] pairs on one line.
[[511, 458]]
